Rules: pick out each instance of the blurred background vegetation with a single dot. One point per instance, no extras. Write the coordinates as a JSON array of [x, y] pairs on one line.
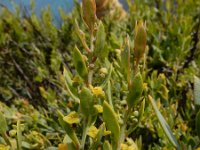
[[33, 51]]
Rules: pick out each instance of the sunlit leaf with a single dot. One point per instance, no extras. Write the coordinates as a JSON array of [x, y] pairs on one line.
[[196, 90], [109, 116], [164, 124]]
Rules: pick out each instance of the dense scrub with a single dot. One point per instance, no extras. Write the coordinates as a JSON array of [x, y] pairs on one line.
[[73, 85]]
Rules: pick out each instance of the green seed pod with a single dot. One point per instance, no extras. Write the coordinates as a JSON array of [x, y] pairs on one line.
[[111, 121], [3, 123], [139, 41], [80, 64], [89, 13], [100, 42], [86, 102], [135, 90]]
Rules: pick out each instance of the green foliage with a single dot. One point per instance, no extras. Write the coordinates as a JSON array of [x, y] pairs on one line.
[[111, 121], [86, 102], [135, 91], [97, 75], [80, 64], [100, 42], [164, 124], [197, 90], [3, 123]]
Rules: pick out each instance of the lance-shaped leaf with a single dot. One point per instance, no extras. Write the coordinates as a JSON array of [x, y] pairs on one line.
[[89, 13], [135, 91], [139, 41], [141, 112], [19, 136], [110, 118], [66, 80], [67, 76], [81, 36], [107, 146], [125, 59], [80, 64], [196, 90], [86, 102], [3, 124], [68, 129], [101, 132], [100, 42], [164, 124], [198, 124]]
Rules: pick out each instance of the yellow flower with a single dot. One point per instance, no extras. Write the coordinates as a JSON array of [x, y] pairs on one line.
[[98, 91], [98, 108], [62, 147], [106, 132], [127, 147], [184, 127], [198, 148], [92, 131], [72, 118], [69, 104], [124, 146], [4, 147], [158, 104]]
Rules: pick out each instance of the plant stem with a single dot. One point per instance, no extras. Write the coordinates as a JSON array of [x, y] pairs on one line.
[[91, 42], [90, 74], [123, 128], [85, 129], [6, 138]]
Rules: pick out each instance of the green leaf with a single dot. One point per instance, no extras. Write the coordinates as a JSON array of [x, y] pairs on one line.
[[196, 90], [107, 146], [19, 136], [81, 36], [56, 60], [101, 132], [110, 118], [68, 129], [198, 124], [86, 102], [67, 75], [65, 78], [164, 124], [100, 42], [3, 124], [80, 64], [141, 111], [67, 144], [135, 91]]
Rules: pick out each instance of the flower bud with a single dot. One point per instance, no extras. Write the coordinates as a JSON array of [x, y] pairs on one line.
[[139, 41], [89, 13]]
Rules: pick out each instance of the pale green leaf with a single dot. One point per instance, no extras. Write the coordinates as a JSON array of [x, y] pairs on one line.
[[164, 124], [196, 90]]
